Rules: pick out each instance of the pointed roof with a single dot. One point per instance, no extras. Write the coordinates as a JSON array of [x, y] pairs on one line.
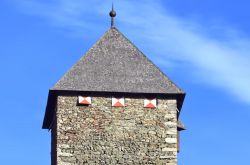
[[114, 64]]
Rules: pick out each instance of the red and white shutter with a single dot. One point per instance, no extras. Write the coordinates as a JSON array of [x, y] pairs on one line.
[[83, 100], [118, 102], [150, 103]]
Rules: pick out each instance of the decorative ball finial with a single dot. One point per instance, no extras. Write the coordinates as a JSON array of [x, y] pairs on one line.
[[112, 14]]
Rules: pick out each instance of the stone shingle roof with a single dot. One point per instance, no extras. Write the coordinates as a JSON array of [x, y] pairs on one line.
[[114, 64]]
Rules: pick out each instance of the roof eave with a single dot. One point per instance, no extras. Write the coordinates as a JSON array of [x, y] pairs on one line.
[[49, 112], [51, 103]]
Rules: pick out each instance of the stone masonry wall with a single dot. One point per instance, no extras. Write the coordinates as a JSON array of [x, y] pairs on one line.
[[101, 134]]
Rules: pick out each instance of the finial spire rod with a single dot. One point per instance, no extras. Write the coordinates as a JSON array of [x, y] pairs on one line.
[[112, 15]]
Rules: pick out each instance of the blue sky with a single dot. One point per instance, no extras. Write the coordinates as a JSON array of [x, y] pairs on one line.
[[203, 46]]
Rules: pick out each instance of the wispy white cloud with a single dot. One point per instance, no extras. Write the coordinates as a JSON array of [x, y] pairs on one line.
[[223, 62]]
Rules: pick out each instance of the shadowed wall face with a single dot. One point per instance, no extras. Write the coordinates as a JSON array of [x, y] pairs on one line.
[[102, 134]]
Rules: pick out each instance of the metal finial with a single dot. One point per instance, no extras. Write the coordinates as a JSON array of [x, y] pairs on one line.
[[112, 14]]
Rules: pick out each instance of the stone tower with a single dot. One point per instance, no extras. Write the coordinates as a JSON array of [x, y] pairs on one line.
[[114, 106]]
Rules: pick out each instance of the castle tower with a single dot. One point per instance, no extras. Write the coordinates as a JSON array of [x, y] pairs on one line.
[[114, 106]]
